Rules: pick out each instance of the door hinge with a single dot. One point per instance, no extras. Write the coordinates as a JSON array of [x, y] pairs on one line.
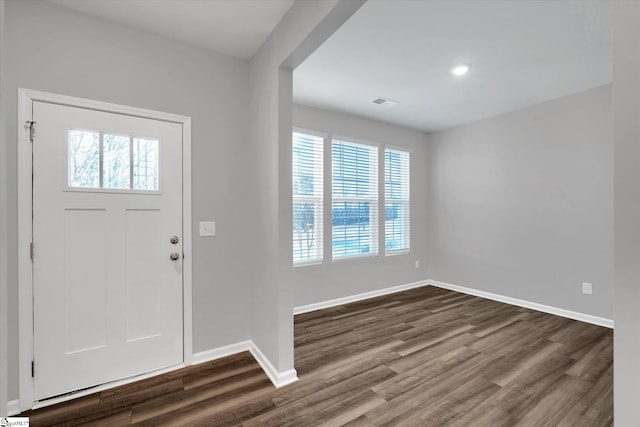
[[32, 250], [31, 126], [33, 369]]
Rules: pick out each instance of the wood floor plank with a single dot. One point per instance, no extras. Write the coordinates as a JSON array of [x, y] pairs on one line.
[[457, 402], [346, 410], [508, 370], [287, 414], [556, 403], [423, 357], [438, 349], [427, 339], [485, 415], [518, 396], [583, 416], [600, 397], [219, 391], [361, 421], [398, 384]]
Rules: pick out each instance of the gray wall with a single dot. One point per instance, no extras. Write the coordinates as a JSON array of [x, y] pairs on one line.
[[330, 280], [626, 104], [3, 231], [57, 50], [305, 26], [521, 205]]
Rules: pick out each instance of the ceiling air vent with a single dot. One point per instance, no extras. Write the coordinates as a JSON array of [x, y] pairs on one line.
[[384, 101]]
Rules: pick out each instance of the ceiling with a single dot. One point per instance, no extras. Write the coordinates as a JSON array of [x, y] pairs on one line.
[[522, 53], [232, 27]]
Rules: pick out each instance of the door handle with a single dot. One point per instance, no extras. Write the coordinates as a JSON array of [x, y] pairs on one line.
[[174, 256]]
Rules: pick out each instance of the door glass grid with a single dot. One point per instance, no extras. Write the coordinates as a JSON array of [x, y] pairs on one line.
[[99, 160]]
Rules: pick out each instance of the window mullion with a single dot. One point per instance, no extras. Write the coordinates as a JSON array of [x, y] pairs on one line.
[[101, 160], [131, 162]]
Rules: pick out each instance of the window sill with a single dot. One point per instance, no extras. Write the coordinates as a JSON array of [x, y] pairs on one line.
[[307, 263], [398, 252], [352, 257]]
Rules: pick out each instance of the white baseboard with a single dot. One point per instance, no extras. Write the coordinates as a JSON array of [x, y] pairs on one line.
[[279, 379], [600, 321], [13, 407], [358, 297], [595, 320], [220, 352]]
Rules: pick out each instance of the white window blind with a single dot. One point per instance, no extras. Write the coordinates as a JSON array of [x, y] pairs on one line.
[[354, 209], [307, 198], [396, 201]]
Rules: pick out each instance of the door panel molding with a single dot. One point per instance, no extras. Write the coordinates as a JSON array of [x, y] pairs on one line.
[[26, 98]]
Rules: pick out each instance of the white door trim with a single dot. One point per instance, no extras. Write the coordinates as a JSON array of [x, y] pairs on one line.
[[26, 98]]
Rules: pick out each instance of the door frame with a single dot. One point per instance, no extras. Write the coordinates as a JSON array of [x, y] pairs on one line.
[[26, 98]]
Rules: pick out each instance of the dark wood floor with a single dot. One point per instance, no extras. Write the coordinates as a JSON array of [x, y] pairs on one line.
[[425, 357]]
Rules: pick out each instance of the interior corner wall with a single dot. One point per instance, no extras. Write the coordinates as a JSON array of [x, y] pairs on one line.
[[55, 49], [521, 205], [626, 104], [330, 280]]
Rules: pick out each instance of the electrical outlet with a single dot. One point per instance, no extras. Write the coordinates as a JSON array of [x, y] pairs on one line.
[[417, 263], [587, 288]]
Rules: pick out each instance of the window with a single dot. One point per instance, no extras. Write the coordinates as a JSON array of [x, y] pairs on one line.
[[307, 198], [100, 160], [354, 209], [145, 164], [396, 201]]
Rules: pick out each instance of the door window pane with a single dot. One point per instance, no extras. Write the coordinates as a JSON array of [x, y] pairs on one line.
[[84, 159], [111, 161], [115, 162], [145, 164]]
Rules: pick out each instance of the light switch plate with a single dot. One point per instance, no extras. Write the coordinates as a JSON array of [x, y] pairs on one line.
[[207, 228], [587, 288]]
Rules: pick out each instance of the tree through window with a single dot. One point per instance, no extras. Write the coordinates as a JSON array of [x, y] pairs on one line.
[[307, 198]]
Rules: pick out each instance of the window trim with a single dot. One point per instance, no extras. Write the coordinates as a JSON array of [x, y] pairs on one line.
[[327, 197]]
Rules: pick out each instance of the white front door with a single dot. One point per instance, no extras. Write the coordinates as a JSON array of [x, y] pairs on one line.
[[107, 264]]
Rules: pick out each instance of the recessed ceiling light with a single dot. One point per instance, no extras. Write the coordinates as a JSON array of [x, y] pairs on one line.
[[460, 70]]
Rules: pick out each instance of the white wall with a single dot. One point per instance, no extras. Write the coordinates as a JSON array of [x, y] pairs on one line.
[[54, 49], [330, 280], [626, 105], [521, 205]]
